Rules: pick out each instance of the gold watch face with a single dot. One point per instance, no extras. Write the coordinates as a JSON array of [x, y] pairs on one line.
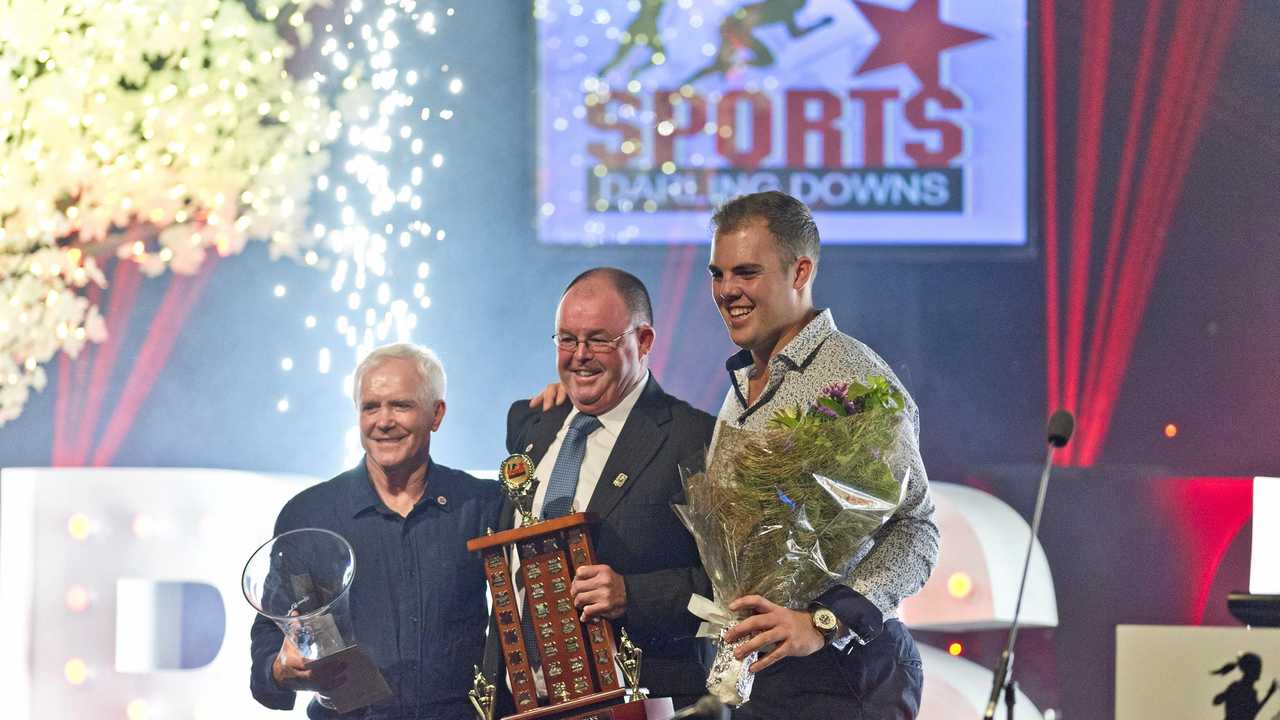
[[824, 620], [516, 471]]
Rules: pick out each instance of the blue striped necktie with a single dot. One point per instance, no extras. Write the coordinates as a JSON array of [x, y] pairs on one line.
[[564, 478], [558, 501]]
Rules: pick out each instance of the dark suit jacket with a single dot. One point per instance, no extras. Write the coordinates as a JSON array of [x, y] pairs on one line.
[[638, 534]]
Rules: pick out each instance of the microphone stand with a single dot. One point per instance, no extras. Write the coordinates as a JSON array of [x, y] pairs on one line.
[[1004, 670]]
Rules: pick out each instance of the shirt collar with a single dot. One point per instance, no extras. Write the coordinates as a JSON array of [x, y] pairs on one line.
[[363, 496], [797, 353], [806, 343], [613, 420]]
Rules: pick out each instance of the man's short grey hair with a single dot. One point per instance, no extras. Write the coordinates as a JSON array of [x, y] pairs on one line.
[[432, 385]]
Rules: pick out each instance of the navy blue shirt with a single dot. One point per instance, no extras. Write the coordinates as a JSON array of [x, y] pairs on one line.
[[418, 596]]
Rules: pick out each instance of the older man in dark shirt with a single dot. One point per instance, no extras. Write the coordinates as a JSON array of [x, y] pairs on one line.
[[418, 597]]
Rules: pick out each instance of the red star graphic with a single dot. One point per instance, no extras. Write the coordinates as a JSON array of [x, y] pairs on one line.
[[915, 37]]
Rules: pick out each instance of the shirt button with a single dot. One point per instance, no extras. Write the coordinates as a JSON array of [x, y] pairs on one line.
[[413, 620], [442, 500]]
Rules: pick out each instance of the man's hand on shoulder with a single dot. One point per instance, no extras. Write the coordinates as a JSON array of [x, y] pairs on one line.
[[553, 395], [600, 592], [791, 632], [290, 671]]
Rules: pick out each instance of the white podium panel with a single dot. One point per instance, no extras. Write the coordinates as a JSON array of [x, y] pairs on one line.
[[957, 689], [1195, 672], [120, 591], [1264, 565], [975, 583]]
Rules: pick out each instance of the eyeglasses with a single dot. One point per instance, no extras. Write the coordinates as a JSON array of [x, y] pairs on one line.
[[597, 345]]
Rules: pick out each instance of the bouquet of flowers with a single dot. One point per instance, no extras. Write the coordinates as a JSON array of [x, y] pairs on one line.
[[778, 513]]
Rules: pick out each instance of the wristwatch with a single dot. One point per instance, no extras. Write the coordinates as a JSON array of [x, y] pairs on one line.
[[825, 622]]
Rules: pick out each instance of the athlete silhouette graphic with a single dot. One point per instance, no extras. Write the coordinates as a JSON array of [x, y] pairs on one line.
[[737, 32], [642, 32], [1240, 699]]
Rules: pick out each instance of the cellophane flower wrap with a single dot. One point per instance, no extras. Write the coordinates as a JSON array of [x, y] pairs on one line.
[[782, 512]]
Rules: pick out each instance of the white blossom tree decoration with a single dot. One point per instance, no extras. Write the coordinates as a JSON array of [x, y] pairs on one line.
[[176, 119]]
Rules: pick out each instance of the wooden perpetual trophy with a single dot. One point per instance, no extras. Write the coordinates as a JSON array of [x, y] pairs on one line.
[[579, 661]]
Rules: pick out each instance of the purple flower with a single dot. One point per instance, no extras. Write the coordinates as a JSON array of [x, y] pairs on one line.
[[836, 391], [824, 410], [855, 406]]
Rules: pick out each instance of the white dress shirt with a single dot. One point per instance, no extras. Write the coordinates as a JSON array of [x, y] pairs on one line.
[[599, 446]]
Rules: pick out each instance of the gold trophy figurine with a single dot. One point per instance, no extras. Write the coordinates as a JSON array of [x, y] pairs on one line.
[[482, 694], [516, 475], [629, 657]]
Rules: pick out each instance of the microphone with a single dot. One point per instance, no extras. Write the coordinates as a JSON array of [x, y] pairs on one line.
[[1061, 425], [707, 708]]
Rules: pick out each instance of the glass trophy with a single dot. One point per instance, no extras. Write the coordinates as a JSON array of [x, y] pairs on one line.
[[300, 580]]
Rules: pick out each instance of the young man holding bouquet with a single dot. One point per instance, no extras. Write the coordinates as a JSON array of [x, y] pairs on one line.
[[862, 662]]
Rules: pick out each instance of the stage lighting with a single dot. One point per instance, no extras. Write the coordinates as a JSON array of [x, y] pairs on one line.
[[75, 671], [77, 598], [138, 710], [78, 526], [959, 585]]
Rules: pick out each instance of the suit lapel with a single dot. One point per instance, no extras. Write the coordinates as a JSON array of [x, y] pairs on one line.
[[642, 436]]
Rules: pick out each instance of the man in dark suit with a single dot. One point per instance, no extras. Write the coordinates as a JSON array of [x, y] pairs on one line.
[[615, 451]]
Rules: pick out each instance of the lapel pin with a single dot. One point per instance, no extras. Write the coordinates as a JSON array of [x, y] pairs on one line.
[[620, 480], [529, 447]]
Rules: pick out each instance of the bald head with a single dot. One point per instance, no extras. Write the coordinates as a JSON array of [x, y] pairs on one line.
[[630, 290]]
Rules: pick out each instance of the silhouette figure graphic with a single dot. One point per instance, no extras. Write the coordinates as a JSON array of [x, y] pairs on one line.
[[1240, 699], [642, 32], [737, 32]]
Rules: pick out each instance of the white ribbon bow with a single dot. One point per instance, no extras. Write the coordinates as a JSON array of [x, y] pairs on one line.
[[729, 679]]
